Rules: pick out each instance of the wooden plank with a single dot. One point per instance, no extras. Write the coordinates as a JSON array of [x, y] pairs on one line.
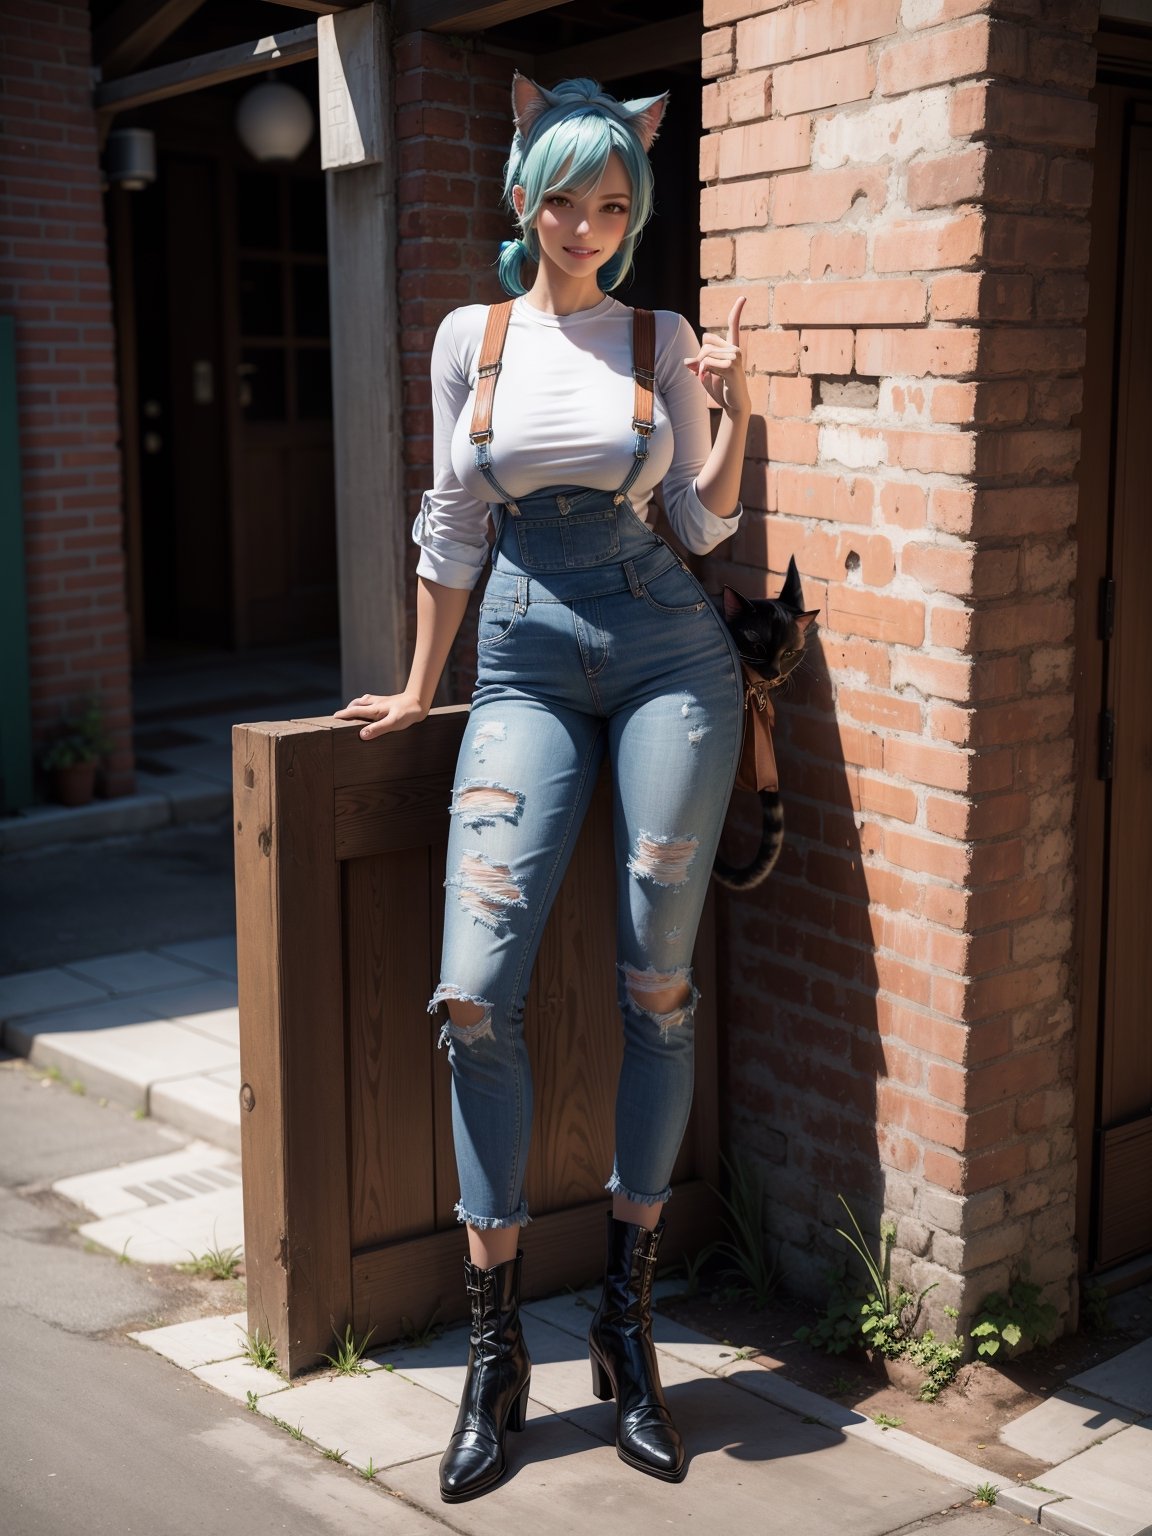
[[135, 29], [386, 935], [461, 15], [661, 45], [292, 1046], [424, 1277], [371, 517], [1126, 1191], [430, 747], [318, 7], [398, 813], [196, 74], [352, 55]]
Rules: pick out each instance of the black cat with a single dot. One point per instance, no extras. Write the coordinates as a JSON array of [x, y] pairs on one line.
[[769, 633]]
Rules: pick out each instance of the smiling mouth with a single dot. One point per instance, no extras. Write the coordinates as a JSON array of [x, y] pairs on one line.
[[582, 250]]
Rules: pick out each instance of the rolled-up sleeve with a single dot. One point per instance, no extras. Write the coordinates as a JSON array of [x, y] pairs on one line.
[[451, 526], [686, 402]]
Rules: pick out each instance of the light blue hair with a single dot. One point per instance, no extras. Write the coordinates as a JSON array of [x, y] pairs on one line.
[[567, 145]]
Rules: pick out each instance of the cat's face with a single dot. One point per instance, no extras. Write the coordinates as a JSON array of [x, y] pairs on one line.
[[770, 632]]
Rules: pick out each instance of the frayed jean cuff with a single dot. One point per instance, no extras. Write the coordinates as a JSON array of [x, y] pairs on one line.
[[519, 1218]]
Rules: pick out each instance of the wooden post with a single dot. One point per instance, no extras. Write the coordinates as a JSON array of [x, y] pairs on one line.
[[357, 151]]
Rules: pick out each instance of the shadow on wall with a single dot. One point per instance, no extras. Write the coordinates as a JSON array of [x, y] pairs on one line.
[[801, 1021]]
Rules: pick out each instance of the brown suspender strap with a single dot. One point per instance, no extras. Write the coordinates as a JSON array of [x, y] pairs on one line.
[[644, 369], [491, 350]]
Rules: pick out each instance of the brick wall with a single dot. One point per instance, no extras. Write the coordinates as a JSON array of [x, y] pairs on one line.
[[453, 126], [54, 278], [901, 188]]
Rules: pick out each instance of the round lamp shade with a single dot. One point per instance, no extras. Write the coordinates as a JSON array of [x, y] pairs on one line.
[[274, 121]]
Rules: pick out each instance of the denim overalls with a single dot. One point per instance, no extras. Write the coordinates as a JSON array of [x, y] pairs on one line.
[[593, 636]]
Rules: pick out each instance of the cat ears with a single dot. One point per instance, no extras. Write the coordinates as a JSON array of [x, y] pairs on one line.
[[791, 596], [530, 101]]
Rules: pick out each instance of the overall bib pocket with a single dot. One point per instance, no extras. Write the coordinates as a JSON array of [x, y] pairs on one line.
[[568, 543]]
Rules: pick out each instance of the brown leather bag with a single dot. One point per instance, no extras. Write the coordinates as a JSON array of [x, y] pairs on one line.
[[757, 768]]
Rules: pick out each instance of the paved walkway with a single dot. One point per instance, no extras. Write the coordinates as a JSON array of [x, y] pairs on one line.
[[157, 1030]]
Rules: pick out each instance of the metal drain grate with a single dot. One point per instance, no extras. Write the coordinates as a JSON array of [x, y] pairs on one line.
[[164, 1191]]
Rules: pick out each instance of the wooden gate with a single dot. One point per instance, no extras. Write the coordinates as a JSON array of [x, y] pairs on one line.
[[349, 1175]]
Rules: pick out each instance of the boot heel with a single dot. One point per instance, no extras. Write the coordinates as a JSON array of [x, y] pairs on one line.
[[601, 1381], [519, 1409]]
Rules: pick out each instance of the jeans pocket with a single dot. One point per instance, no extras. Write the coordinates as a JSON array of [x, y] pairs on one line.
[[675, 591], [497, 619]]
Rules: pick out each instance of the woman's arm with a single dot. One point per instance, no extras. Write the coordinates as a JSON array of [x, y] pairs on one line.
[[719, 365], [439, 614]]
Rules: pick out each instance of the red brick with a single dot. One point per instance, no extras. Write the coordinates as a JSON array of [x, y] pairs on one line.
[[824, 197], [773, 145], [773, 351], [852, 303], [964, 572], [1026, 116], [826, 352], [979, 173], [990, 817], [790, 395], [880, 709], [855, 610], [831, 80], [916, 352], [976, 47], [1069, 183], [842, 252], [932, 452], [1036, 240], [716, 301], [903, 504], [981, 296], [821, 26], [717, 51], [980, 401], [922, 245], [735, 205], [810, 493], [773, 253]]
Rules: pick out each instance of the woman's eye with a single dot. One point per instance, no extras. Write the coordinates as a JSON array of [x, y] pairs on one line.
[[616, 208]]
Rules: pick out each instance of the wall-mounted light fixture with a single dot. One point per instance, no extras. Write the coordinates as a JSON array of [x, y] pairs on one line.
[[274, 121], [130, 158]]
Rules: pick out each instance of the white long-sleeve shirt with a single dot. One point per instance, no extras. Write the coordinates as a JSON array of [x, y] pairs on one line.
[[562, 416]]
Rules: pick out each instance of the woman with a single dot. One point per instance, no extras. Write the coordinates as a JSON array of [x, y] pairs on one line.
[[593, 638]]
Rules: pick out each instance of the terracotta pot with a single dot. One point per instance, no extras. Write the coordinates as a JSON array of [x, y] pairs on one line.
[[74, 785], [905, 1374]]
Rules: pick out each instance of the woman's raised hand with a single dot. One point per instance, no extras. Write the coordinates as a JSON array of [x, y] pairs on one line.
[[719, 365], [385, 712]]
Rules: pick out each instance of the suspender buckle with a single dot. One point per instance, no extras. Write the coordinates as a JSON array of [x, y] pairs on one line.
[[644, 427], [476, 438], [487, 369], [645, 376]]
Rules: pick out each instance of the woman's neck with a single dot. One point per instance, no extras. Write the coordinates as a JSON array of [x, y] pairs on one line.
[[558, 293]]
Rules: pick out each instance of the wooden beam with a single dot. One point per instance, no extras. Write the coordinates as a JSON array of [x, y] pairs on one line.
[[272, 52], [318, 7], [358, 154], [660, 45], [461, 15], [134, 31]]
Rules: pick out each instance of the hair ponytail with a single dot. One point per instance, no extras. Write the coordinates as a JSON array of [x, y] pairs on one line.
[[510, 265]]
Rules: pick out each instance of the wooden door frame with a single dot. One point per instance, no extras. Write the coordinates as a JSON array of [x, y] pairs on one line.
[[1124, 76]]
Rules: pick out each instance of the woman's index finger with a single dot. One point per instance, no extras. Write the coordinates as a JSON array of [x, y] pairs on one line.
[[734, 322]]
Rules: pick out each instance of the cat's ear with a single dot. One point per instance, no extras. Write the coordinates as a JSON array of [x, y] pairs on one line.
[[734, 603], [529, 100], [646, 114], [790, 594], [804, 619]]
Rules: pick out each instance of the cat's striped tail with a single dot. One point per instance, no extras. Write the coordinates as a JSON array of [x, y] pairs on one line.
[[771, 842]]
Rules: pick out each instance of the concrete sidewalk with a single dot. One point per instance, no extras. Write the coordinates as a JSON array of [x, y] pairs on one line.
[[158, 1031]]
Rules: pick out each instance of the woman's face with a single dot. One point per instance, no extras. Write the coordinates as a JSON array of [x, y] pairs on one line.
[[580, 232]]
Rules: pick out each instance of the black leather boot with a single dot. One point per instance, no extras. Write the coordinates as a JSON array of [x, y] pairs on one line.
[[624, 1359], [495, 1396]]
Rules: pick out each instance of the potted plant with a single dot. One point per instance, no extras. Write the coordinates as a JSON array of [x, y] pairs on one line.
[[71, 758]]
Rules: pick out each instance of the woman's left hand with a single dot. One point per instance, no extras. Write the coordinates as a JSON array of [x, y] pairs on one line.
[[719, 365]]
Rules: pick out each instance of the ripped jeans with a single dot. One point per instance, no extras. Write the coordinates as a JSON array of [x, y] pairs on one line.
[[623, 655]]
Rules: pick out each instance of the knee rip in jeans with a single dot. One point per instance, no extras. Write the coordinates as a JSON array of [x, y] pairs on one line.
[[667, 998], [481, 802], [487, 888], [466, 1032], [663, 860]]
